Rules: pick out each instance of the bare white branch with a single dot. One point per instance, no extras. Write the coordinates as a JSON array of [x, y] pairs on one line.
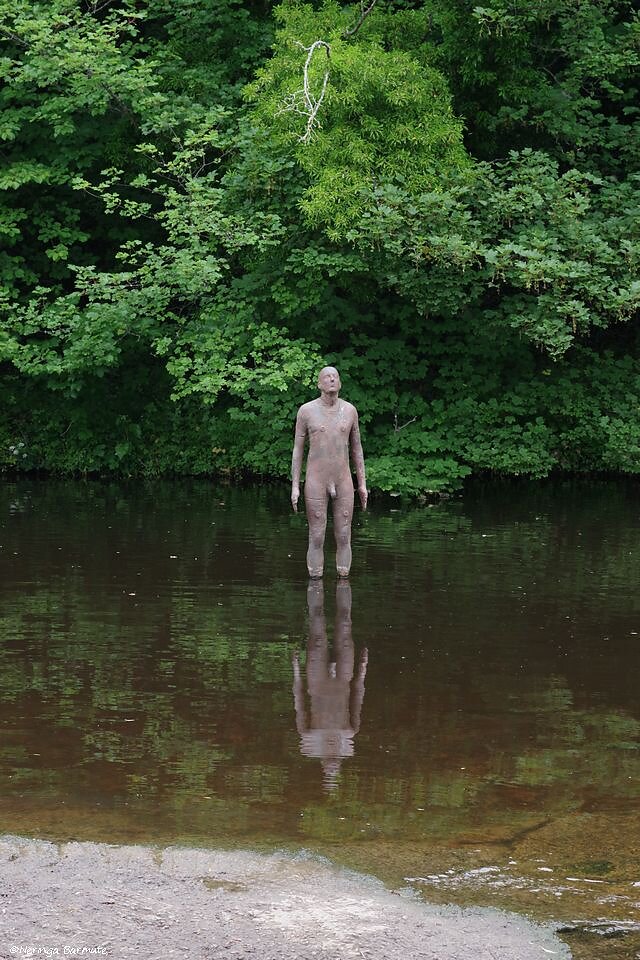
[[304, 101]]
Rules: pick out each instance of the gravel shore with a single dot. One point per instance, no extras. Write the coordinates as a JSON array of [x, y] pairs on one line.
[[89, 899]]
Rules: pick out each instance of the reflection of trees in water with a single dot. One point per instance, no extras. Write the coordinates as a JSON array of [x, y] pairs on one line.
[[555, 543], [180, 698], [335, 690], [203, 714]]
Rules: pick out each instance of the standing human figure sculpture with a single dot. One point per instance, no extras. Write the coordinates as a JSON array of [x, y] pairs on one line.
[[331, 426]]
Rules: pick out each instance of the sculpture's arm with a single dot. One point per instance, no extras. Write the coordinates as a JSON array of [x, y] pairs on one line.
[[357, 691], [296, 460], [298, 696], [357, 458]]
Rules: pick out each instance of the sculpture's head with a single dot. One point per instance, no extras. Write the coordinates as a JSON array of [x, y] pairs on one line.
[[331, 773], [329, 380]]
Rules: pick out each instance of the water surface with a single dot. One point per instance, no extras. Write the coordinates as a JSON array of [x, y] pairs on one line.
[[464, 713]]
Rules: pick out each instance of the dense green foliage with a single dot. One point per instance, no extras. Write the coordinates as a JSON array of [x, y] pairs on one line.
[[459, 233]]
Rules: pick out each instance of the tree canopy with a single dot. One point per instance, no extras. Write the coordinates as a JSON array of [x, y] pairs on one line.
[[204, 201]]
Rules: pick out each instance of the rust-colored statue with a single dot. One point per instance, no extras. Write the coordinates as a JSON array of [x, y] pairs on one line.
[[335, 685], [331, 425]]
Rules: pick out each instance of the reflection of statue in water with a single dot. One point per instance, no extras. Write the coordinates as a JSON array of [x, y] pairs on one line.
[[335, 695], [331, 425]]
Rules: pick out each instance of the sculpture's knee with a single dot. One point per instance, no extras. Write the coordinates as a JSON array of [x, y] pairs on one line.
[[343, 535], [316, 540]]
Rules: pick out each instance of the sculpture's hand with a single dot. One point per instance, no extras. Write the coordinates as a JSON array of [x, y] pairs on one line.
[[295, 662], [364, 496], [295, 496], [362, 664]]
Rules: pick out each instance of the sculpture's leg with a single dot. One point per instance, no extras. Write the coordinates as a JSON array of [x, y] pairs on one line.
[[317, 519], [342, 515], [315, 605], [342, 640], [317, 646]]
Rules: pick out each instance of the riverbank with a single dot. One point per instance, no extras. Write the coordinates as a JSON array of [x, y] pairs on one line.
[[89, 899]]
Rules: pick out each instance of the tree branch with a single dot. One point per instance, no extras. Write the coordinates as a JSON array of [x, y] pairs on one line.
[[364, 13], [396, 428], [303, 101]]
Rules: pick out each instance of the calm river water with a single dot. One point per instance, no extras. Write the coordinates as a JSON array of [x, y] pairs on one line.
[[463, 717]]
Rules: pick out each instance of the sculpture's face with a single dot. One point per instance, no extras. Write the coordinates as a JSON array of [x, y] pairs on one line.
[[329, 380]]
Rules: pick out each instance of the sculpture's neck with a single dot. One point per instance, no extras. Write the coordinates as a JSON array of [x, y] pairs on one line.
[[329, 399]]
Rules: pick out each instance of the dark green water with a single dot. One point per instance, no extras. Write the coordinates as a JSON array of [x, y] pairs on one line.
[[489, 750]]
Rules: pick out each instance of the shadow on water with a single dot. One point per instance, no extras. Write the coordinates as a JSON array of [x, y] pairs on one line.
[[152, 689]]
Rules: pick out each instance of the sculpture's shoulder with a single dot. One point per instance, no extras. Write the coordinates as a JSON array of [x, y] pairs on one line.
[[304, 417], [350, 410], [307, 408]]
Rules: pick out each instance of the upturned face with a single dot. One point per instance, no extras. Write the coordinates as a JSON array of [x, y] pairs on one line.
[[329, 380]]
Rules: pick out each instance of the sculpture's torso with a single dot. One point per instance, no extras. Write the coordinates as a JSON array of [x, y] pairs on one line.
[[329, 706], [328, 430]]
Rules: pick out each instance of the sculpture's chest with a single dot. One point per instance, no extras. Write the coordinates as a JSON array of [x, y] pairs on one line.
[[334, 425]]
